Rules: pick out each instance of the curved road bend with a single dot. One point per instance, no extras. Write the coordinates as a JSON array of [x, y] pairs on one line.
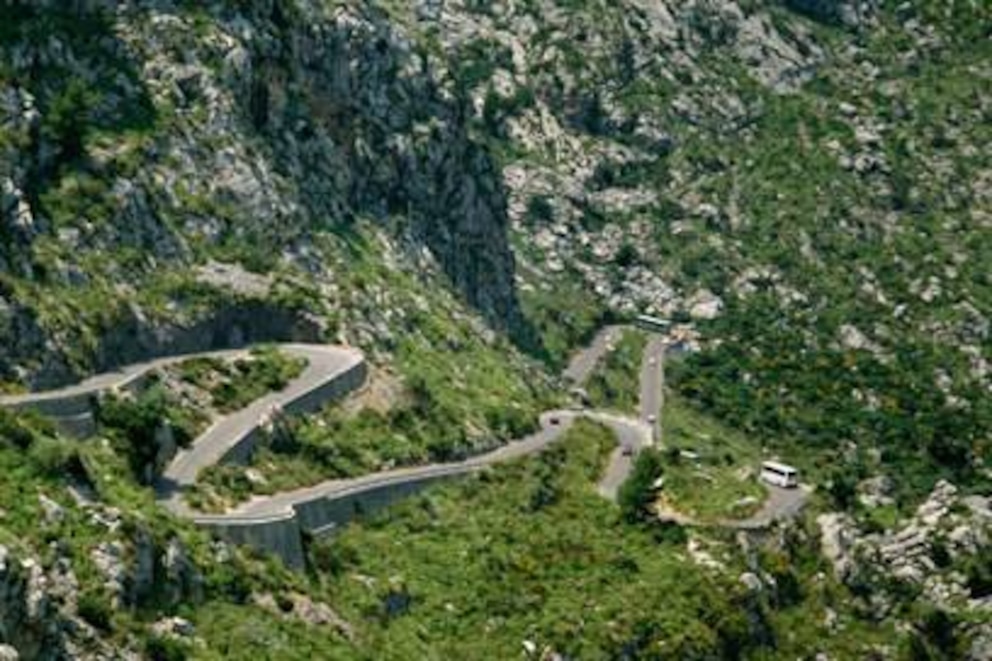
[[582, 364], [324, 364], [553, 425], [630, 432], [781, 505], [113, 380]]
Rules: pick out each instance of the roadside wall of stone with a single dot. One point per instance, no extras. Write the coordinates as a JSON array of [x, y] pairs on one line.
[[308, 402], [325, 514], [282, 534], [279, 535]]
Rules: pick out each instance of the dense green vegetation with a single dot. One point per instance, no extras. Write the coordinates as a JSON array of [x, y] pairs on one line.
[[615, 384], [529, 545], [235, 384], [133, 426], [529, 552], [639, 492], [563, 317], [137, 425], [35, 463]]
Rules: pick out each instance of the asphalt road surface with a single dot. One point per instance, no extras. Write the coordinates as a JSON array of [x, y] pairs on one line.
[[554, 424], [108, 381], [326, 363], [653, 385], [582, 364], [781, 505]]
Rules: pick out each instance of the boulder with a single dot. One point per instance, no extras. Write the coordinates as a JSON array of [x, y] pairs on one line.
[[837, 536], [177, 627], [53, 512]]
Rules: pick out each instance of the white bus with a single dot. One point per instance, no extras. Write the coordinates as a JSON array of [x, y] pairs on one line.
[[647, 322], [780, 475]]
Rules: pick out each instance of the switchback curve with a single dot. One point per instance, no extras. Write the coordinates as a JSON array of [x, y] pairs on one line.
[[274, 523]]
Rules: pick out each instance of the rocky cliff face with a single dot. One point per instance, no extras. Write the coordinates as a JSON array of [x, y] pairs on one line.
[[48, 612], [361, 123], [937, 556], [852, 13], [139, 141], [29, 623]]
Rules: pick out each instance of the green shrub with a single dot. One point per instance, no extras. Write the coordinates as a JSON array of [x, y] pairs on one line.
[[94, 608], [935, 636], [67, 121], [55, 457], [244, 381], [637, 494], [132, 425], [165, 648], [229, 584], [979, 573], [540, 210], [842, 488], [13, 431]]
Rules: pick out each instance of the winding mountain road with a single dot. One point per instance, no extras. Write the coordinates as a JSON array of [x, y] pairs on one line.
[[553, 425], [332, 372], [631, 432], [325, 365], [231, 437], [584, 361], [653, 384]]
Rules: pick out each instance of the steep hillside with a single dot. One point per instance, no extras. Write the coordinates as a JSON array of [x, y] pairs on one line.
[[467, 190], [140, 146], [805, 185]]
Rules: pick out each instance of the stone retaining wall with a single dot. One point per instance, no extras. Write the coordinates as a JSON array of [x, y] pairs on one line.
[[281, 534], [308, 402]]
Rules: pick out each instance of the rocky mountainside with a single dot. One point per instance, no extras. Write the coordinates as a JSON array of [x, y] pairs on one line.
[[938, 554], [803, 185], [467, 190], [140, 143]]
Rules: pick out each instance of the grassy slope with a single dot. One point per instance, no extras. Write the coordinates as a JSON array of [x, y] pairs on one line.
[[530, 552], [527, 552], [725, 473], [235, 384], [465, 390]]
